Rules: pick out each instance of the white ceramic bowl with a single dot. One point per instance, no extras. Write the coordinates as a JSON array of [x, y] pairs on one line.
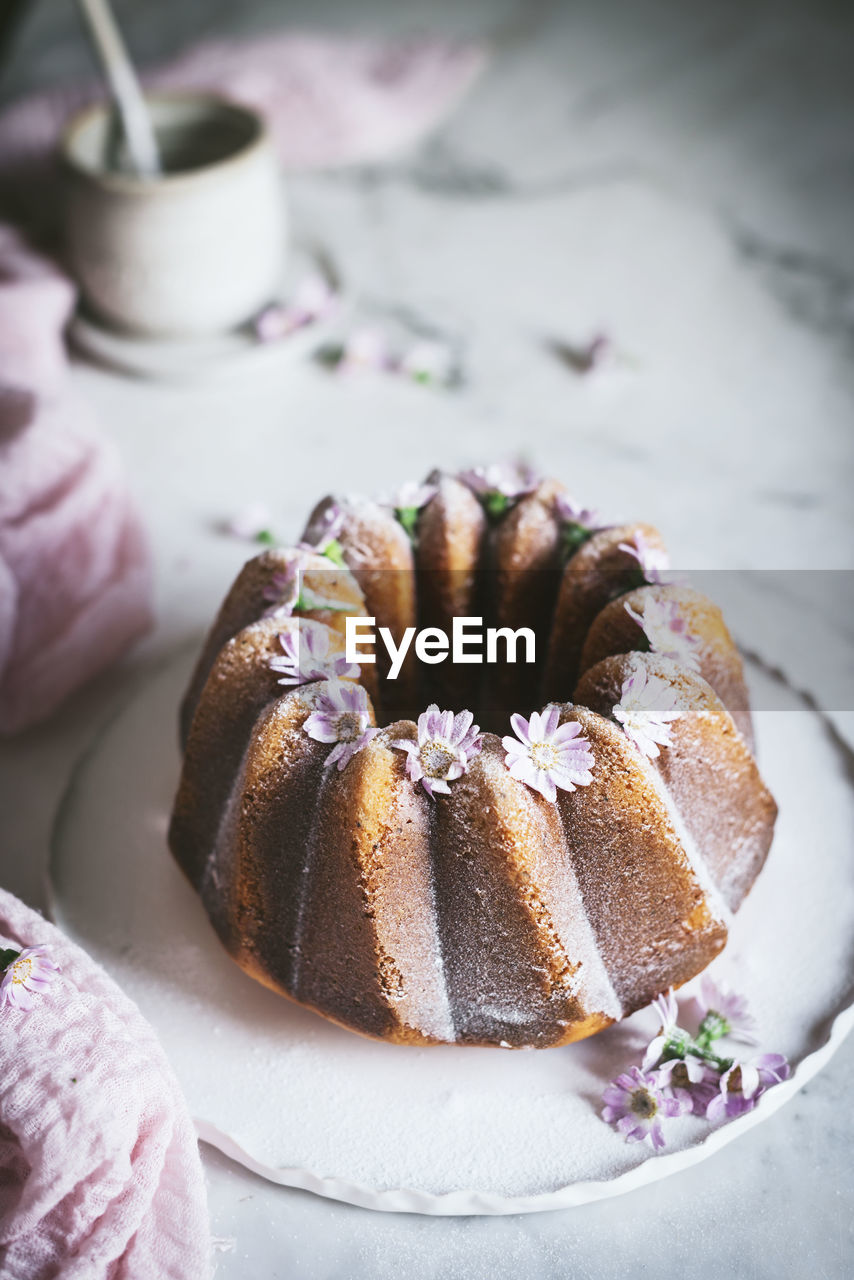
[[194, 252]]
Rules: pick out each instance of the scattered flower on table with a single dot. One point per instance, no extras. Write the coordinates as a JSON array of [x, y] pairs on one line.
[[273, 323], [546, 755], [693, 1070], [597, 354], [667, 631], [429, 362], [636, 1104], [408, 503], [341, 715], [27, 974], [646, 710], [314, 300], [444, 749], [253, 523], [500, 485], [306, 657], [365, 351], [653, 561]]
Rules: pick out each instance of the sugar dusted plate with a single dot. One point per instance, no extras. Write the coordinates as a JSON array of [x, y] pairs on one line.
[[440, 1130]]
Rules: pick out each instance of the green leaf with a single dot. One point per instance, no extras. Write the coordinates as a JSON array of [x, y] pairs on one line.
[[408, 517], [574, 536], [333, 552], [307, 601], [712, 1028], [496, 504]]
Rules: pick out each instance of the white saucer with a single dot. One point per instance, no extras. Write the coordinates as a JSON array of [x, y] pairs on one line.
[[441, 1130], [189, 359]]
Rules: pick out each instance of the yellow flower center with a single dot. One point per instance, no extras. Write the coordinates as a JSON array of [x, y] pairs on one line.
[[680, 1075], [436, 759], [21, 970], [544, 756], [348, 727], [643, 1104]]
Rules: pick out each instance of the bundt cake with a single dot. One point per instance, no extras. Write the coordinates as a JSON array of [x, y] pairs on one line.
[[364, 847]]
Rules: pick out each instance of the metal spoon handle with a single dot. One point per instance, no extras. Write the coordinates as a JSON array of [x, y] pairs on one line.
[[124, 86]]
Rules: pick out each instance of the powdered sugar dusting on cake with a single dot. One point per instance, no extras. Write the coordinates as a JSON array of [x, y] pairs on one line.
[[586, 978], [425, 998], [370, 535]]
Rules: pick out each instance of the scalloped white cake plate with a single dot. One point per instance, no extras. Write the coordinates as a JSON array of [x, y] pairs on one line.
[[440, 1130]]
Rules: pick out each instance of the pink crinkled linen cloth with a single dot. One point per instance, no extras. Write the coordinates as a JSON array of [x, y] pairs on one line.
[[100, 1176], [328, 100], [75, 570]]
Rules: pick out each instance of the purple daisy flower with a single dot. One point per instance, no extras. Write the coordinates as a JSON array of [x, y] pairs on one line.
[[724, 1013], [408, 502], [30, 973], [445, 747], [646, 708], [429, 362], [743, 1084], [324, 530], [500, 484], [306, 657], [282, 591], [568, 511], [636, 1103], [341, 715], [654, 562], [288, 594], [692, 1075], [597, 354], [314, 299], [546, 755], [274, 323], [365, 351], [668, 1012], [667, 632], [410, 496], [252, 523]]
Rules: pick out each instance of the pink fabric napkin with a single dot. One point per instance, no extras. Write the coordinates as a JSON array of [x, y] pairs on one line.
[[100, 1176], [328, 100], [75, 572]]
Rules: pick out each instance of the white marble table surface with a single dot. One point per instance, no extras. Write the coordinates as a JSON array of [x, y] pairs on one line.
[[680, 177]]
